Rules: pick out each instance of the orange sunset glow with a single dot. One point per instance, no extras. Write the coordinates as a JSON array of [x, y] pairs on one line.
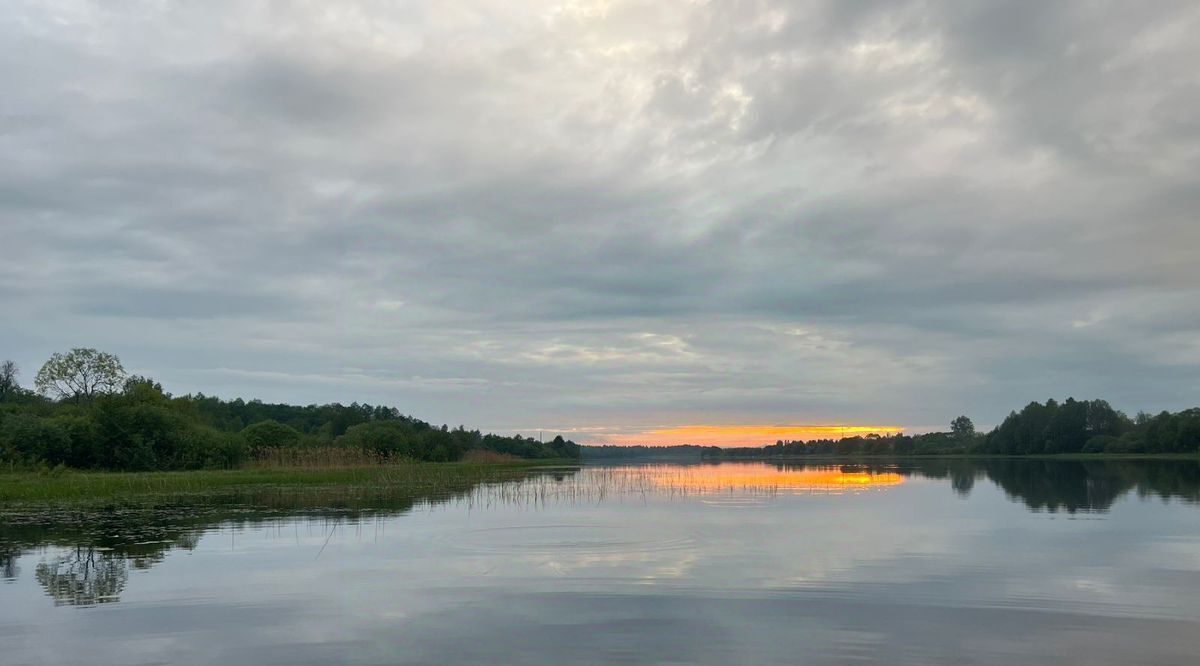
[[746, 435]]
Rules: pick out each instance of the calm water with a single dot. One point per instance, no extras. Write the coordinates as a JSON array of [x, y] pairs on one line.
[[1008, 562]]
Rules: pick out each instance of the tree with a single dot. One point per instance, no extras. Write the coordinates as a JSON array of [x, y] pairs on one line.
[[81, 374], [270, 434], [1067, 430], [135, 384], [27, 438], [962, 427], [1102, 419], [8, 380]]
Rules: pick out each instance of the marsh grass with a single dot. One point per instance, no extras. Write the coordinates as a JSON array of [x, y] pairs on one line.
[[734, 481], [481, 456], [334, 457], [81, 487], [321, 458]]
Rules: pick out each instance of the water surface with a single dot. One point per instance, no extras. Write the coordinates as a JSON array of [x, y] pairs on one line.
[[994, 562]]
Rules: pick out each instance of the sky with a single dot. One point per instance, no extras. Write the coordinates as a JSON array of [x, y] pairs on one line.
[[610, 219]]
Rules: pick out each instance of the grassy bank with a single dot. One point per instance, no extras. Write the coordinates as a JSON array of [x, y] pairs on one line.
[[419, 478]]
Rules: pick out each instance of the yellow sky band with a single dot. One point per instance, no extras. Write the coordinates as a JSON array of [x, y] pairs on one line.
[[747, 435]]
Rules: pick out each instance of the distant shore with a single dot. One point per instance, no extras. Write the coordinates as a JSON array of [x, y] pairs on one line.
[[961, 456], [711, 454]]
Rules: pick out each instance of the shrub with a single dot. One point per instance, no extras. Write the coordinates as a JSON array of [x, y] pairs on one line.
[[1100, 444], [1127, 443], [213, 449], [270, 434], [25, 438]]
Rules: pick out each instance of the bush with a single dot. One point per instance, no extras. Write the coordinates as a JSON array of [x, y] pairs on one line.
[[1101, 444], [270, 434], [85, 440], [25, 438], [213, 449], [1127, 443]]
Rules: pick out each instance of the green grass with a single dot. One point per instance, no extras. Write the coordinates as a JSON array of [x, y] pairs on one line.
[[70, 486]]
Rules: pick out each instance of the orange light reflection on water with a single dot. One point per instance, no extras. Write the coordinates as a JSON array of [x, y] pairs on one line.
[[732, 477]]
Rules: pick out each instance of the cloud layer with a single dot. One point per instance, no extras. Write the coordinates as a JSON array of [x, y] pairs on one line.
[[612, 216]]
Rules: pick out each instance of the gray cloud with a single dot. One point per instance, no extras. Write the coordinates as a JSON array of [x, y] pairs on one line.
[[611, 215]]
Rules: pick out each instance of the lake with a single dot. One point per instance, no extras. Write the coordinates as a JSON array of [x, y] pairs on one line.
[[920, 562]]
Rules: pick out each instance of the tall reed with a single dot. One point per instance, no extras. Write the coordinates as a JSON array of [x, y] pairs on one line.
[[325, 457]]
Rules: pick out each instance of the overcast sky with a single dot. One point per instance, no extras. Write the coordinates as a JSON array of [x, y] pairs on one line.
[[605, 217]]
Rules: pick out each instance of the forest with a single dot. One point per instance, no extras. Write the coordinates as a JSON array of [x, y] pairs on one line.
[[86, 413]]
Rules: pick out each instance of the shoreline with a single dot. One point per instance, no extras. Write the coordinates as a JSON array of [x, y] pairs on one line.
[[964, 456], [71, 486], [79, 486]]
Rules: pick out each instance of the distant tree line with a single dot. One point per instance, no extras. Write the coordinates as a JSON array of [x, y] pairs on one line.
[[1072, 426], [85, 412], [1092, 426], [681, 452]]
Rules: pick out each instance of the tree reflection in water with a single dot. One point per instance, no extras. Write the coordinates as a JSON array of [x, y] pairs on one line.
[[1072, 486], [85, 576], [89, 553]]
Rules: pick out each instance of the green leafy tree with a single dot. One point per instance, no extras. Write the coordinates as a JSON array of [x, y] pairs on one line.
[[387, 437], [270, 434], [135, 384], [8, 380], [962, 427], [1067, 430], [1103, 420], [26, 438], [80, 375]]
